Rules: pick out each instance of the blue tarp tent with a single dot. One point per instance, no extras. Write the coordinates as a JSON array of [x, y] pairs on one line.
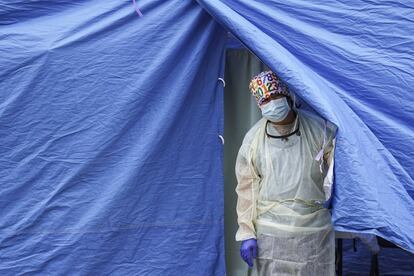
[[110, 161]]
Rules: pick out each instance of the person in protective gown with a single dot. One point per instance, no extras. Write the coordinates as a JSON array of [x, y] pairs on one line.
[[281, 167]]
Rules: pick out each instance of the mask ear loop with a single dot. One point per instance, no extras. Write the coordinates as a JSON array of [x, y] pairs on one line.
[[296, 104], [293, 96], [294, 108]]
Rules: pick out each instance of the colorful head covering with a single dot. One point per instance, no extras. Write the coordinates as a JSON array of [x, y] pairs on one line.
[[266, 84]]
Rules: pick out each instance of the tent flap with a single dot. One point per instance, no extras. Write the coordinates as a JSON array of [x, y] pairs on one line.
[[110, 157], [352, 62]]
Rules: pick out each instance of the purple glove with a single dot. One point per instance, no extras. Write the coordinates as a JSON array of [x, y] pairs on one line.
[[248, 250]]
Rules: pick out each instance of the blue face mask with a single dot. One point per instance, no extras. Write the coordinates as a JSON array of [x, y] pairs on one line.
[[276, 110]]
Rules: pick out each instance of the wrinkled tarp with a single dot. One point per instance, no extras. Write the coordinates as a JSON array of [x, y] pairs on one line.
[[110, 161], [391, 261], [352, 61]]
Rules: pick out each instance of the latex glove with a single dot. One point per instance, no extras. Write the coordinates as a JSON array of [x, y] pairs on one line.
[[248, 251]]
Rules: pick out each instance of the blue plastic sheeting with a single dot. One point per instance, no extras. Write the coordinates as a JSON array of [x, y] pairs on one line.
[[391, 261], [352, 61], [110, 160]]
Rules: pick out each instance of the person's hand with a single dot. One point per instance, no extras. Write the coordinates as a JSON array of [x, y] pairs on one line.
[[248, 251]]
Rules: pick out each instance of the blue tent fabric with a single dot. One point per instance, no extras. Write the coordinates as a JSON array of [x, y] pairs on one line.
[[391, 261], [110, 160], [352, 62]]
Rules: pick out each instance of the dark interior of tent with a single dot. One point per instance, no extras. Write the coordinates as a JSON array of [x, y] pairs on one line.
[[354, 256]]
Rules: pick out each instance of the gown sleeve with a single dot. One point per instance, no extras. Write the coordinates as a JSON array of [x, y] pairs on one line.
[[328, 156], [246, 190]]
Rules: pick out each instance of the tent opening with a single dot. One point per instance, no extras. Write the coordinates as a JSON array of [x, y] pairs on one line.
[[240, 114]]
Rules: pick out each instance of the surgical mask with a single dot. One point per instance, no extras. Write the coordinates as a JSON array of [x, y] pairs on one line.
[[276, 110]]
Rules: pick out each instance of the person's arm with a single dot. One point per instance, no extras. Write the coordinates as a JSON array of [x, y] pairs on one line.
[[329, 149], [328, 156], [247, 179]]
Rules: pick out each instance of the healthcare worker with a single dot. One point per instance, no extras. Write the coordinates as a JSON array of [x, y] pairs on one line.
[[280, 168]]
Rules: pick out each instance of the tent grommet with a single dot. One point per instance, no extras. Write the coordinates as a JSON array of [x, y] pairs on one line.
[[223, 81], [221, 138]]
